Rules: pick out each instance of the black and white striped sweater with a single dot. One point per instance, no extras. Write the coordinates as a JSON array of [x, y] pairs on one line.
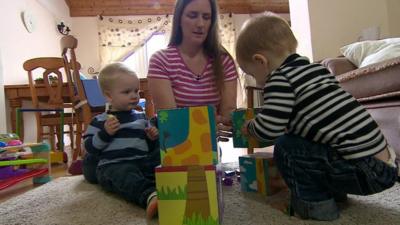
[[304, 99]]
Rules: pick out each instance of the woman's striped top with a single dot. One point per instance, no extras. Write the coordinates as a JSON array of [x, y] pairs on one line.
[[189, 89], [306, 100]]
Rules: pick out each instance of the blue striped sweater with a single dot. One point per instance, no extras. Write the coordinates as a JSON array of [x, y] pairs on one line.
[[304, 99], [128, 143]]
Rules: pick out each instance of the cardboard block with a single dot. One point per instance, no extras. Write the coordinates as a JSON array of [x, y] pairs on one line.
[[187, 136]]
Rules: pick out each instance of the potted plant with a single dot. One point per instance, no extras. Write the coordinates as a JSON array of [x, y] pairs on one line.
[[39, 80]]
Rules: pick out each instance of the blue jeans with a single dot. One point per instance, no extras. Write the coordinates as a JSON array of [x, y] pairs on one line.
[[315, 174], [89, 167], [132, 180]]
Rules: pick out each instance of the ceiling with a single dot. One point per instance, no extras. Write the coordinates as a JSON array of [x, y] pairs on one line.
[[155, 7]]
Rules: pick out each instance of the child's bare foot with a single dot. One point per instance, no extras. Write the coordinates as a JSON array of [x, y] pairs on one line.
[[152, 206]]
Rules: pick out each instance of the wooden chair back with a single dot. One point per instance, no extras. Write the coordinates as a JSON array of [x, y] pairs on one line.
[[48, 70]]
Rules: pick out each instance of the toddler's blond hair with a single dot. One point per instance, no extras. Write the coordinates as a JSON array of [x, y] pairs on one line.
[[110, 73], [268, 32]]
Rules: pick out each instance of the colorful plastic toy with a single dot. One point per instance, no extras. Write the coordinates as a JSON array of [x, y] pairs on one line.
[[39, 164], [227, 181], [14, 143]]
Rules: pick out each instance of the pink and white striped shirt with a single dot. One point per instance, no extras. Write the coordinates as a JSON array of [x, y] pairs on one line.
[[189, 89]]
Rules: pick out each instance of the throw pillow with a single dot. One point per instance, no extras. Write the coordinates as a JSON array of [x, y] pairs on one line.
[[359, 51], [389, 52]]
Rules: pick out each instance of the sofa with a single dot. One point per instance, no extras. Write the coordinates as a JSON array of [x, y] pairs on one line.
[[377, 88]]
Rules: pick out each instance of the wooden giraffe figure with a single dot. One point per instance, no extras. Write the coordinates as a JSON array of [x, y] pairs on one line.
[[197, 149]]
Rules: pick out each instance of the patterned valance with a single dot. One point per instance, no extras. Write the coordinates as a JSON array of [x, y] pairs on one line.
[[121, 36]]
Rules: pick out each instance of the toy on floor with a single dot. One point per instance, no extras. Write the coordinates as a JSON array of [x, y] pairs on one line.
[[21, 162], [76, 167], [259, 173]]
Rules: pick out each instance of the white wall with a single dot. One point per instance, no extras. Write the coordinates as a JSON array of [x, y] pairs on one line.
[[300, 23], [18, 45], [393, 7], [333, 24], [87, 53]]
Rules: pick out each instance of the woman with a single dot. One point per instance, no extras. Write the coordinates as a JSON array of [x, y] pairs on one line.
[[194, 69]]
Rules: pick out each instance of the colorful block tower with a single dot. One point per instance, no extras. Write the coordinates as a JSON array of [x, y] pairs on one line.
[[187, 182]]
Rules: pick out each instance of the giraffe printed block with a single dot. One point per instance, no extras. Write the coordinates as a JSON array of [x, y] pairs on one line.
[[189, 195], [187, 136]]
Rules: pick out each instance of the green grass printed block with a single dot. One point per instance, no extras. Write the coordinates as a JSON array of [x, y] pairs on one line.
[[199, 220], [167, 193]]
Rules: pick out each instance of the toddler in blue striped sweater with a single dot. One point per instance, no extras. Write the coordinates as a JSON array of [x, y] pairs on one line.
[[121, 144]]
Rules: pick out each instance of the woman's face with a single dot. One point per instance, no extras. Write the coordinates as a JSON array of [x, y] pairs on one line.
[[196, 21]]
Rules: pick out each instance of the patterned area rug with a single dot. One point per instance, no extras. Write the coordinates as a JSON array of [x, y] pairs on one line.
[[71, 200]]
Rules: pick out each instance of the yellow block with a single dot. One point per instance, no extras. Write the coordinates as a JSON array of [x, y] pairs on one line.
[[56, 157]]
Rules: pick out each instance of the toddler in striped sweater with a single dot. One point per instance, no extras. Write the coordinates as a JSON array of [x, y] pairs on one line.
[[121, 146], [326, 144]]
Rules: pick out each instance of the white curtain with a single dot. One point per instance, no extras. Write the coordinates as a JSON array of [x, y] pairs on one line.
[[121, 36], [227, 32]]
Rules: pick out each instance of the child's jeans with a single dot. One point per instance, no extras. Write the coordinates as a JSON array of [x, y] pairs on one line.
[[315, 174], [89, 167], [128, 179], [133, 180]]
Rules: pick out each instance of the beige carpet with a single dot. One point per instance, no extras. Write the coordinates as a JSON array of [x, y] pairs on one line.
[[71, 200]]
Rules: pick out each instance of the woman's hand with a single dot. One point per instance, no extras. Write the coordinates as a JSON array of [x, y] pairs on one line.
[[224, 128], [111, 125], [151, 132]]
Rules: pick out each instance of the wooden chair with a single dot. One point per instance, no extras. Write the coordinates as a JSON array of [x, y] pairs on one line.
[[48, 70], [76, 89]]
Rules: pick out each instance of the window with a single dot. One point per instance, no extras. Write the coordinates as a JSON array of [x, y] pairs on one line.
[[139, 60]]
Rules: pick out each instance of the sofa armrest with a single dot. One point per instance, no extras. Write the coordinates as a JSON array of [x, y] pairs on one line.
[[338, 65], [376, 81]]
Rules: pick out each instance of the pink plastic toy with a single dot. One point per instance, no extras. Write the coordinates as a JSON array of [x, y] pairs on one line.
[[14, 143]]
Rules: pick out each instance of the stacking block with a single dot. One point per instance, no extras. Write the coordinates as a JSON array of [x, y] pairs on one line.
[[42, 151], [258, 173], [189, 195], [187, 136], [240, 140]]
